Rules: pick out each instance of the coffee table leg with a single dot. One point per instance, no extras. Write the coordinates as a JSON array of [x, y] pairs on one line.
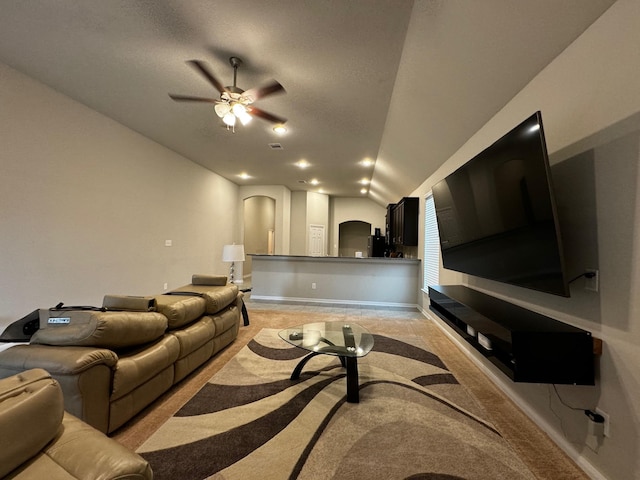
[[296, 371], [351, 363], [353, 389]]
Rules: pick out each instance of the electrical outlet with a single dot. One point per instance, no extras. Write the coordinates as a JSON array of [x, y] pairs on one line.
[[592, 284], [607, 423], [313, 286], [168, 243], [166, 285]]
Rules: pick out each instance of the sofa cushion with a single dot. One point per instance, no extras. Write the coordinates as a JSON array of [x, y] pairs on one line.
[[82, 452], [216, 298], [141, 364], [216, 280], [31, 410], [180, 309], [104, 329], [194, 336], [129, 303]]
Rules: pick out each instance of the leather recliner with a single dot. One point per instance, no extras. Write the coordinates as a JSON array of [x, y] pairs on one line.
[[38, 439]]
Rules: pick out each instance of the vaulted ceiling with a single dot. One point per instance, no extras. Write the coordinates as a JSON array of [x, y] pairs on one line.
[[400, 82]]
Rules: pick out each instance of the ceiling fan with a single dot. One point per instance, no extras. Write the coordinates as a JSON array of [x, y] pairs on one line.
[[234, 103]]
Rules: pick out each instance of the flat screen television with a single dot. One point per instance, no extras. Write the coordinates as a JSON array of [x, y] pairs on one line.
[[497, 217]]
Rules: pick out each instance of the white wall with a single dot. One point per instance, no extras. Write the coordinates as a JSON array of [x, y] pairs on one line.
[[86, 206], [345, 209], [590, 101]]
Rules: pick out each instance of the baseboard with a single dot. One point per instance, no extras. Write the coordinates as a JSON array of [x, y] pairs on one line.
[[325, 301], [504, 385]]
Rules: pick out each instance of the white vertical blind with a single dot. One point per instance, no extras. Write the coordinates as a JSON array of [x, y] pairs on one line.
[[431, 244]]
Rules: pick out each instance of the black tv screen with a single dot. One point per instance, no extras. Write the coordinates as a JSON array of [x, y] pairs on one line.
[[497, 216]]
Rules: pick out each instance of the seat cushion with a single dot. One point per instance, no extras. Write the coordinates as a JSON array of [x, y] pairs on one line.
[[82, 452]]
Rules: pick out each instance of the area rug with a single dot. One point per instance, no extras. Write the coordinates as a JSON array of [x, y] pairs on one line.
[[250, 421]]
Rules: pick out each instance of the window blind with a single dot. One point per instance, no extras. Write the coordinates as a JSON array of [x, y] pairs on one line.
[[431, 261]]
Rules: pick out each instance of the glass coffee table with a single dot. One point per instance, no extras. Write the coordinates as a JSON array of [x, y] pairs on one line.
[[347, 341]]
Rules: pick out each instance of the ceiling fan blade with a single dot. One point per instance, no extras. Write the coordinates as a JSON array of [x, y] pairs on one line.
[[189, 98], [265, 115], [254, 94], [204, 70]]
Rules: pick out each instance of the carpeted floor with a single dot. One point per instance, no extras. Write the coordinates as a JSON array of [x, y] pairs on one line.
[[519, 444]]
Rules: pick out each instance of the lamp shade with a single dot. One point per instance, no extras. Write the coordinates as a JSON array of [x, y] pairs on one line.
[[233, 253]]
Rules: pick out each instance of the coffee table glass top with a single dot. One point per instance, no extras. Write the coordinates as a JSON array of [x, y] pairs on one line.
[[330, 338]]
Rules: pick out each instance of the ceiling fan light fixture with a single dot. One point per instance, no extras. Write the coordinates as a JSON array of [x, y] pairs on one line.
[[229, 119], [222, 109], [234, 103], [240, 111]]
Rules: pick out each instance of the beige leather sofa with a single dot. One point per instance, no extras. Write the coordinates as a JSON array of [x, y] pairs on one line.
[[39, 440], [112, 364]]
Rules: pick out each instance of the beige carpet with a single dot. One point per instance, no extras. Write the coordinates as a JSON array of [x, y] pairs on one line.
[[541, 456]]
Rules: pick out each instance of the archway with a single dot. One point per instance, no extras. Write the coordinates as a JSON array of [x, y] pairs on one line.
[[259, 220], [353, 236]]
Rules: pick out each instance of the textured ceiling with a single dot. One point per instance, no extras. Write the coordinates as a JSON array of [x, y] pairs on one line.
[[355, 87]]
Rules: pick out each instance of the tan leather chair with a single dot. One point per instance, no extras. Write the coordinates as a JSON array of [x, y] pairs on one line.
[[39, 439]]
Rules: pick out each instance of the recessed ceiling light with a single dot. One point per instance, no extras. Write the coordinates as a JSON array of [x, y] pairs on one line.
[[365, 181], [363, 191], [302, 164], [314, 181], [244, 175], [367, 162], [280, 129]]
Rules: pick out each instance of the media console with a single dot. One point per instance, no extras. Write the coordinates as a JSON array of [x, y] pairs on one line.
[[526, 346]]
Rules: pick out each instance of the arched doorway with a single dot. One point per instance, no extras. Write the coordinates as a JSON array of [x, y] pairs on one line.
[[259, 219], [353, 237]]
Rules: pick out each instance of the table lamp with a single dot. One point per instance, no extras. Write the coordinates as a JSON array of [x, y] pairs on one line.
[[233, 253]]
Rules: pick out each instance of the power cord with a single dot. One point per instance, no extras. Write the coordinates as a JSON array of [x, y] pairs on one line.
[[585, 275], [593, 416]]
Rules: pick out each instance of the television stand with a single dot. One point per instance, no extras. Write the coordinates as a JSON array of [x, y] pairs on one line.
[[524, 345]]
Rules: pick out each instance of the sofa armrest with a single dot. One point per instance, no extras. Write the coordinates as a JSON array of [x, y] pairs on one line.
[[85, 375], [31, 410], [61, 360]]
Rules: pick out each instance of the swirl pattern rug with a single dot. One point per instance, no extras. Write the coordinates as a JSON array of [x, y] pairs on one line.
[[250, 421]]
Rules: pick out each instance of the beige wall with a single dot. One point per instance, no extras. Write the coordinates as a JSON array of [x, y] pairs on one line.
[[298, 223], [307, 208], [282, 197], [346, 209], [86, 206], [590, 102], [259, 218]]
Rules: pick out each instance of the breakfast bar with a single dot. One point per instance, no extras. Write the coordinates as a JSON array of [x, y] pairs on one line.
[[375, 281]]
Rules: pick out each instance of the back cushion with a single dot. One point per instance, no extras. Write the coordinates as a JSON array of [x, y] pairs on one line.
[[111, 330]]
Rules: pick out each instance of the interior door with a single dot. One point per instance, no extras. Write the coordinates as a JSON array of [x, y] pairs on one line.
[[316, 240]]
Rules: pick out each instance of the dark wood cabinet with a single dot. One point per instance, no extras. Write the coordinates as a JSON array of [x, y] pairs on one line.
[[404, 222], [388, 233], [526, 346]]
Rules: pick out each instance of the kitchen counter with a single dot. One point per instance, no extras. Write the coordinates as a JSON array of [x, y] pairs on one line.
[[375, 281]]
